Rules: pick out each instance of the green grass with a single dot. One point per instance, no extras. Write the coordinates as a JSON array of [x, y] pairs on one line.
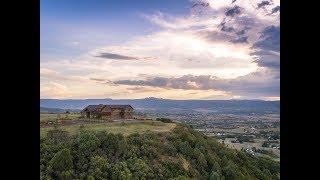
[[116, 127], [53, 117]]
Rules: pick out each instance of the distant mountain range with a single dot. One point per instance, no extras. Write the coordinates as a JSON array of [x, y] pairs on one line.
[[56, 110], [168, 105]]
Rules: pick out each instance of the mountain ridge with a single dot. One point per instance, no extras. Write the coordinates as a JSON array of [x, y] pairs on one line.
[[166, 105]]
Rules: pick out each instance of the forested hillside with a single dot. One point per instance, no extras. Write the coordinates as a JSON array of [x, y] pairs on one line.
[[181, 154]]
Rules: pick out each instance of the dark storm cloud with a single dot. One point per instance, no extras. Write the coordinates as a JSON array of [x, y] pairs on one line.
[[227, 29], [242, 32], [122, 57], [247, 85], [267, 49], [175, 83], [157, 81], [116, 56], [269, 61], [233, 11], [263, 3], [204, 4], [275, 9], [269, 40], [243, 39], [97, 79]]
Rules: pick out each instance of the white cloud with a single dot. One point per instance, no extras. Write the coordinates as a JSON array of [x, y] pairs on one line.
[[54, 90], [182, 53], [75, 43], [193, 44]]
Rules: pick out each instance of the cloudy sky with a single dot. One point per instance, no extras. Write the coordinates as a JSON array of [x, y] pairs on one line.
[[181, 49]]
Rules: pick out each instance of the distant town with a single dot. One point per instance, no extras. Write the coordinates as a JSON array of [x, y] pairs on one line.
[[257, 134]]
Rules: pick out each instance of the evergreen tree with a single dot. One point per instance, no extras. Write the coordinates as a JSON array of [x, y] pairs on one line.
[[61, 164]]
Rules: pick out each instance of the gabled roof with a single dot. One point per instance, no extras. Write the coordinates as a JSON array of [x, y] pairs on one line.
[[119, 106], [93, 107], [100, 107]]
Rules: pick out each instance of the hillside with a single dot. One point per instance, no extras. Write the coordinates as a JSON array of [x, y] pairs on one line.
[[181, 153], [168, 105]]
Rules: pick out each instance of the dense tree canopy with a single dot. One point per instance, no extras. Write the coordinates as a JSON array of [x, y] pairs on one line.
[[181, 154]]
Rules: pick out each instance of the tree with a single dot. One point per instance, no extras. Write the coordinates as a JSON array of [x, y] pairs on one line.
[[120, 171], [214, 176], [66, 175], [185, 149], [180, 177], [140, 169], [172, 168], [90, 177], [85, 146], [114, 145], [231, 171], [180, 154], [87, 142], [201, 160], [99, 167], [165, 120], [61, 164]]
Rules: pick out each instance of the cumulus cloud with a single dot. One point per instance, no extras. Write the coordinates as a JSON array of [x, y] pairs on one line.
[[233, 11], [263, 3], [267, 49], [225, 28], [260, 83], [275, 9], [243, 39], [269, 39], [55, 90]]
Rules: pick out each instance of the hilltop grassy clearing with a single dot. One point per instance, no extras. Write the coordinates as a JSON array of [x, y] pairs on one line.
[[125, 128], [45, 117]]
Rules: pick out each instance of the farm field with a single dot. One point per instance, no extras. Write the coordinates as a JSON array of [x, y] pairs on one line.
[[242, 129], [116, 127], [239, 146]]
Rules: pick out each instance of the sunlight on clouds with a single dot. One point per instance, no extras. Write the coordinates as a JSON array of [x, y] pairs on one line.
[[178, 54], [218, 4], [55, 90], [272, 98], [179, 23], [191, 45]]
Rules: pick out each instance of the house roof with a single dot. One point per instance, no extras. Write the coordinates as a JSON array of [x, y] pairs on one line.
[[100, 107], [119, 106]]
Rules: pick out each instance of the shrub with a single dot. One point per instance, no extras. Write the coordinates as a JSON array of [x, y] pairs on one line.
[[165, 120]]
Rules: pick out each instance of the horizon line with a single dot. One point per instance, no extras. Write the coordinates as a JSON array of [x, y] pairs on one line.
[[160, 99]]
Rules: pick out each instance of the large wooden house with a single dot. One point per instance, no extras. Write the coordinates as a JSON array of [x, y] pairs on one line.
[[108, 112]]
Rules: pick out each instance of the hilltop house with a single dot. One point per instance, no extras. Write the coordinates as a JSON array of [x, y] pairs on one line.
[[108, 112]]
